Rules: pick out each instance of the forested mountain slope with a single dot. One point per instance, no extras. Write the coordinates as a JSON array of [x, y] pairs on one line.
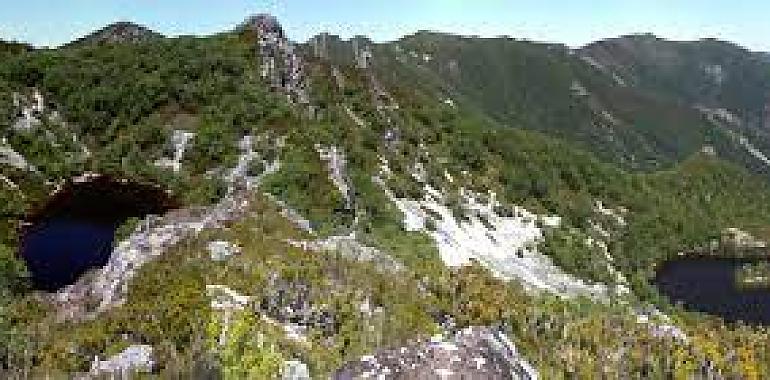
[[638, 100], [712, 73]]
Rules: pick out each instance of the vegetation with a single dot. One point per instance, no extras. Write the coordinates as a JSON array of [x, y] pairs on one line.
[[245, 351], [303, 181], [563, 338], [625, 103], [124, 101], [753, 275]]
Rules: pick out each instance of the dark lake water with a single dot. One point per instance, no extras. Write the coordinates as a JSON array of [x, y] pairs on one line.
[[74, 230], [60, 250], [708, 285]]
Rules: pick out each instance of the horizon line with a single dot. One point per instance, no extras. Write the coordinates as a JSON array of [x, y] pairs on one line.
[[386, 40]]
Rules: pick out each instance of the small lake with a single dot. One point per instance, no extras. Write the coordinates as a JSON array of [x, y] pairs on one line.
[[708, 285], [74, 231]]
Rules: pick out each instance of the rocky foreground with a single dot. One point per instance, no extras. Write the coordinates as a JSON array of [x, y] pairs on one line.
[[473, 353]]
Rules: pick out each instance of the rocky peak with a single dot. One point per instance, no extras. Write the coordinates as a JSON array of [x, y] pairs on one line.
[[281, 65], [119, 32], [263, 23]]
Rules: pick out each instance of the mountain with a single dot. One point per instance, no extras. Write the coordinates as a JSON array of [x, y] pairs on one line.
[[711, 73], [478, 206], [116, 33], [639, 101]]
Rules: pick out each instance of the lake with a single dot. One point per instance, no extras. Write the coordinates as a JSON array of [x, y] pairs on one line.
[[708, 285], [74, 230]]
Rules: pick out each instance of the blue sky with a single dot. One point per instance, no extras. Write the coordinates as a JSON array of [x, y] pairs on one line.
[[53, 22]]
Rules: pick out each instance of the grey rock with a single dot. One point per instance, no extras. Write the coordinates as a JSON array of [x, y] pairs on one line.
[[473, 353], [221, 250], [134, 359], [295, 370]]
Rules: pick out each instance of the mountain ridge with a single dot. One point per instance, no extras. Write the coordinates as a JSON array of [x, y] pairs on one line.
[[603, 93]]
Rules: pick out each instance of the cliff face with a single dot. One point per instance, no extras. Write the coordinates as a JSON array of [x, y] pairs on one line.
[[281, 64]]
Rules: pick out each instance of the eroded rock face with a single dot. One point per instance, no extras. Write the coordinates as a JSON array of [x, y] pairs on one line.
[[473, 353], [505, 244]]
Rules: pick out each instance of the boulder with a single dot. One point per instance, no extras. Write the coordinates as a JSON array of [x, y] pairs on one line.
[[134, 359], [221, 250], [295, 370]]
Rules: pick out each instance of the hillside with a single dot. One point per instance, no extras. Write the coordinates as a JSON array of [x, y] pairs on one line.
[[711, 73], [348, 207], [639, 101]]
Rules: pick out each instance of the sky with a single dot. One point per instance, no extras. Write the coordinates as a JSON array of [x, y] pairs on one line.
[[575, 23]]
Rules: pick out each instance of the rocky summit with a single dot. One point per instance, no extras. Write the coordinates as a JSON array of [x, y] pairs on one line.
[[117, 33]]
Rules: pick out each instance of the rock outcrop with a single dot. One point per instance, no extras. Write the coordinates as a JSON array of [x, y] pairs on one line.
[[336, 164], [295, 370], [11, 158], [505, 244], [221, 250], [132, 360], [349, 247], [180, 141], [30, 110], [473, 353], [152, 238], [281, 66]]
